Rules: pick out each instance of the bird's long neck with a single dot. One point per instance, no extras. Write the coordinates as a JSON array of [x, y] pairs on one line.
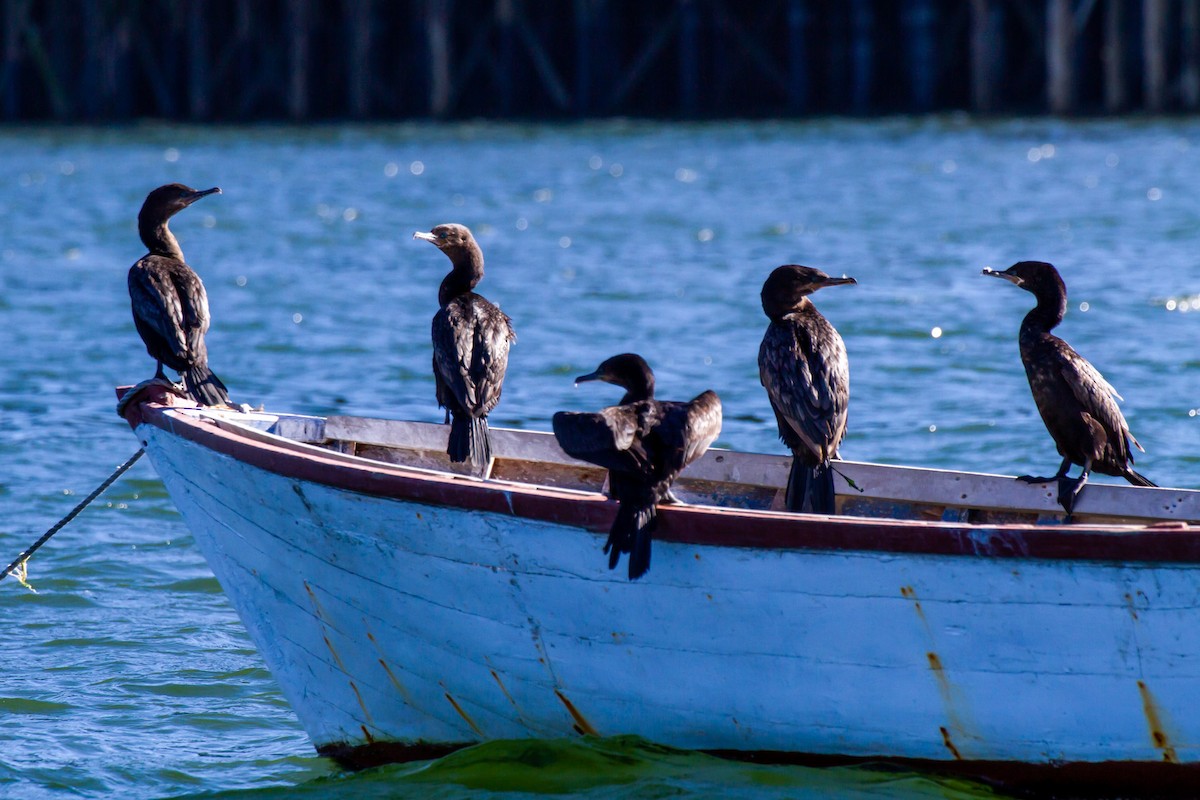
[[777, 311], [642, 388], [465, 275], [158, 238], [1047, 314]]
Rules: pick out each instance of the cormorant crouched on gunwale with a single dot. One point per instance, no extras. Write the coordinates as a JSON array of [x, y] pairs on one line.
[[1077, 404], [644, 444], [802, 363], [170, 306], [471, 337]]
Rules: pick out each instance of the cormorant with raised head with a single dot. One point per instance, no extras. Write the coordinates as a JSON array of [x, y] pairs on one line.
[[802, 363], [1077, 404], [170, 306], [471, 337], [644, 444]]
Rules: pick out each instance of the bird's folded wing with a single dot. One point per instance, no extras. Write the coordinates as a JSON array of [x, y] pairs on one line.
[[156, 304]]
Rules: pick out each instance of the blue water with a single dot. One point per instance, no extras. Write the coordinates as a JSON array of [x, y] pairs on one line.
[[127, 672]]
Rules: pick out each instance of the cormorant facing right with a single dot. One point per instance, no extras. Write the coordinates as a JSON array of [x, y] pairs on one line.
[[170, 306], [471, 337], [644, 443], [1077, 404], [802, 363]]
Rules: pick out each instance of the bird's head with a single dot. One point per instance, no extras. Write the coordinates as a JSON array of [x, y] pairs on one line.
[[167, 201], [787, 286], [450, 239], [1037, 277], [629, 371]]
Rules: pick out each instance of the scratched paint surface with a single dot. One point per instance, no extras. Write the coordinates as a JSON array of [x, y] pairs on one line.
[[130, 674]]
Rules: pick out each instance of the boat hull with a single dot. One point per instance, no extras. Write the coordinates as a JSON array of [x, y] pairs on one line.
[[402, 628]]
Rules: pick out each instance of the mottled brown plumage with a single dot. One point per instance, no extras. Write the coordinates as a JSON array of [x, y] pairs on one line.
[[471, 339], [644, 444], [1077, 404], [802, 364], [170, 306]]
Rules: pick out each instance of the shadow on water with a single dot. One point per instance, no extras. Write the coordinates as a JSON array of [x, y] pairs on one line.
[[616, 767]]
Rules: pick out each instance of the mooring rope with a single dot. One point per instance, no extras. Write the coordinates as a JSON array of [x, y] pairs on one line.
[[19, 564]]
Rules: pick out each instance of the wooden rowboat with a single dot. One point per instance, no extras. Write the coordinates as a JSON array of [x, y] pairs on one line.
[[946, 620]]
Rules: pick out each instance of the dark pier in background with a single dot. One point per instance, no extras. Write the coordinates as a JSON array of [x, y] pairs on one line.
[[245, 60]]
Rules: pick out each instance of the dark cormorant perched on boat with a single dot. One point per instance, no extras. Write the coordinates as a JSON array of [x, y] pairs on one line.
[[802, 363], [644, 444], [471, 337], [1077, 404], [170, 306]]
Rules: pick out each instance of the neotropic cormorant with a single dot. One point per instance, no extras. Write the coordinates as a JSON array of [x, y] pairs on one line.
[[170, 306], [471, 337], [1077, 404], [644, 444], [802, 363]]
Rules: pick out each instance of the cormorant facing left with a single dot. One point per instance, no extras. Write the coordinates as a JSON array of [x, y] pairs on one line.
[[170, 306], [471, 337], [802, 363], [1077, 404], [644, 444]]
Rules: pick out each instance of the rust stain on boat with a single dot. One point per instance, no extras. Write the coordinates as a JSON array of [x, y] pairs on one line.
[[391, 675], [909, 593], [581, 723], [1154, 719], [463, 714], [336, 657], [320, 611], [361, 704], [950, 744]]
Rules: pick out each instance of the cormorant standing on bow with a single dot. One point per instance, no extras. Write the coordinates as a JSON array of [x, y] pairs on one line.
[[644, 444], [802, 363], [471, 337], [1077, 404], [170, 306]]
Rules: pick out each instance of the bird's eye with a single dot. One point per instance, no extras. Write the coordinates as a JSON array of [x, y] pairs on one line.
[[442, 235]]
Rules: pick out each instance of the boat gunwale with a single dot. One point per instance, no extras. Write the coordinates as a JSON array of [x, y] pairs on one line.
[[686, 524]]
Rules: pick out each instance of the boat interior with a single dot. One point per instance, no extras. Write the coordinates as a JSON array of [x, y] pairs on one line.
[[726, 478]]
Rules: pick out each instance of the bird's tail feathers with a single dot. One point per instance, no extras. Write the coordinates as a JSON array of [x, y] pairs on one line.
[[810, 489], [469, 441], [1138, 479], [205, 387], [631, 533]]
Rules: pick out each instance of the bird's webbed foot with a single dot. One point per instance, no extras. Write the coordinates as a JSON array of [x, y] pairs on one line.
[[1036, 479], [1068, 492], [1062, 471]]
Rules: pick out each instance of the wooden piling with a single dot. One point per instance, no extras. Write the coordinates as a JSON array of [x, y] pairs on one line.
[[689, 60], [919, 24], [987, 25], [798, 56], [1060, 57], [862, 27], [437, 37], [1189, 82], [1154, 54], [359, 17], [1115, 61], [298, 22]]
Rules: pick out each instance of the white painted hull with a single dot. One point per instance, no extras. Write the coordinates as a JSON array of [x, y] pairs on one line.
[[388, 621]]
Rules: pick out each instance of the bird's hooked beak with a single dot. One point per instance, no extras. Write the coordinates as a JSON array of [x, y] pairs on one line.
[[428, 237], [202, 193], [591, 376], [842, 281], [1006, 275]]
